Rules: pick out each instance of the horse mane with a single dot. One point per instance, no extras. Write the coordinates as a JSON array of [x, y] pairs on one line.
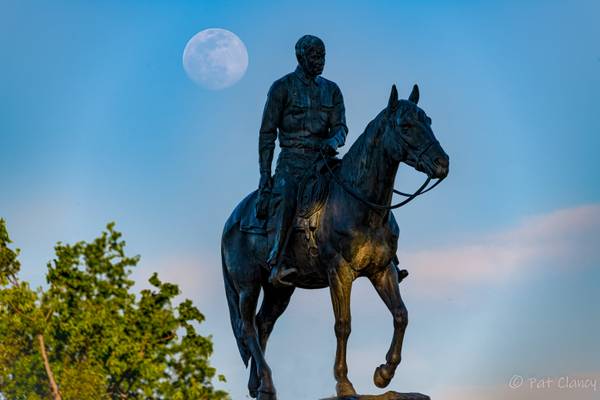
[[361, 146]]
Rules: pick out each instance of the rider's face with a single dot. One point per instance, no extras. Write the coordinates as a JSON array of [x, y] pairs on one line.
[[315, 60]]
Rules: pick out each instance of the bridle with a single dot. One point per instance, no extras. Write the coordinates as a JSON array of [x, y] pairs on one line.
[[418, 159], [421, 190]]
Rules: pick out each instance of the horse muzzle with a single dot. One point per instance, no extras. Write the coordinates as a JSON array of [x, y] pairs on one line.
[[436, 169], [441, 167]]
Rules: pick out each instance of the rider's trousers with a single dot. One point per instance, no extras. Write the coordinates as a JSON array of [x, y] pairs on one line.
[[292, 165]]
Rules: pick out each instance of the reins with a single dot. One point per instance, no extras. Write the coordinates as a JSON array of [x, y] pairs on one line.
[[352, 193], [423, 192]]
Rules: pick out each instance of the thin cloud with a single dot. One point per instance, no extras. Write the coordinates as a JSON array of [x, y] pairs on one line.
[[561, 239]]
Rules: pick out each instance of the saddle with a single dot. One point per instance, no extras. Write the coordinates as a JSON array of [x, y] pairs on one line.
[[313, 191]]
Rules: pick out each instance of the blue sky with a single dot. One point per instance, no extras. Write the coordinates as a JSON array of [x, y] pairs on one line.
[[99, 122]]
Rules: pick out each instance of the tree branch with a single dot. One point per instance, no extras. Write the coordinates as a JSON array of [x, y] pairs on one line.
[[53, 385]]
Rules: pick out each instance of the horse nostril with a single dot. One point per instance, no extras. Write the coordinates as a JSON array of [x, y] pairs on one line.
[[442, 162]]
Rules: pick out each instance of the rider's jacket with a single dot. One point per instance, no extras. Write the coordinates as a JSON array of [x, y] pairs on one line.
[[301, 112]]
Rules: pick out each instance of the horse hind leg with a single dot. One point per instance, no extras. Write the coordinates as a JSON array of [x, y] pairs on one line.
[[275, 302], [248, 302]]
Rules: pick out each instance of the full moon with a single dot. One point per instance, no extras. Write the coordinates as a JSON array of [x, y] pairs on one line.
[[215, 58]]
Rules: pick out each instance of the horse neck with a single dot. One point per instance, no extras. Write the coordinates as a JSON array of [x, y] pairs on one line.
[[369, 171]]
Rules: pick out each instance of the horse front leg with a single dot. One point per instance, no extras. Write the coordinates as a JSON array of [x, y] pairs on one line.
[[340, 284], [386, 284]]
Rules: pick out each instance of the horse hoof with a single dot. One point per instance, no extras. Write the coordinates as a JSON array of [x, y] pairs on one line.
[[266, 396], [402, 273], [382, 376], [253, 385], [344, 389]]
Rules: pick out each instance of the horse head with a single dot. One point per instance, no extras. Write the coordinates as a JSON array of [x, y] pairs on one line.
[[408, 136]]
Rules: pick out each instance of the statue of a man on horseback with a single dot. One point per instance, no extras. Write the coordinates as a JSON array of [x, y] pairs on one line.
[[306, 112], [350, 231]]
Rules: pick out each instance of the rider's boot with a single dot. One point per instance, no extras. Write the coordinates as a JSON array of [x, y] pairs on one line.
[[279, 271]]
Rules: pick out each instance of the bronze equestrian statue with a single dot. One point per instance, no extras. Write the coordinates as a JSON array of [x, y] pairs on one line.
[[347, 233]]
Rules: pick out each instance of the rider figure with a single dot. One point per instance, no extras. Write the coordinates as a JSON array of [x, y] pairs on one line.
[[306, 112]]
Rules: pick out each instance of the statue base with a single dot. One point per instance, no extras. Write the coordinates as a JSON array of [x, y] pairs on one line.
[[386, 396]]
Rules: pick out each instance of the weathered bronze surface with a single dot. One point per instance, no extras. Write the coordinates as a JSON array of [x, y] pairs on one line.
[[345, 238]]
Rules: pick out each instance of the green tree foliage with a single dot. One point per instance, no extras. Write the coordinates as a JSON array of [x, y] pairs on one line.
[[88, 336]]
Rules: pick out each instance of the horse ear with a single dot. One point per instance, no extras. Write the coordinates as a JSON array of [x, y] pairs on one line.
[[393, 101], [414, 95]]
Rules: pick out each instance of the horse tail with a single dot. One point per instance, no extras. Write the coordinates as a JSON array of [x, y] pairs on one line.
[[233, 301]]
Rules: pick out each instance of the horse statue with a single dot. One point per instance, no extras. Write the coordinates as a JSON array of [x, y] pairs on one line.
[[356, 235]]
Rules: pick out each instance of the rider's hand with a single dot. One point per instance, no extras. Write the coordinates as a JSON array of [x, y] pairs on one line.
[[330, 146], [265, 182], [262, 205], [264, 195]]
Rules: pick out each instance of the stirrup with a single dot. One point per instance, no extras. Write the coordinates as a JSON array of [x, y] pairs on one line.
[[277, 275]]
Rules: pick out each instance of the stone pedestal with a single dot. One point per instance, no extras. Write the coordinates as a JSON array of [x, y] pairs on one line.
[[386, 396]]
